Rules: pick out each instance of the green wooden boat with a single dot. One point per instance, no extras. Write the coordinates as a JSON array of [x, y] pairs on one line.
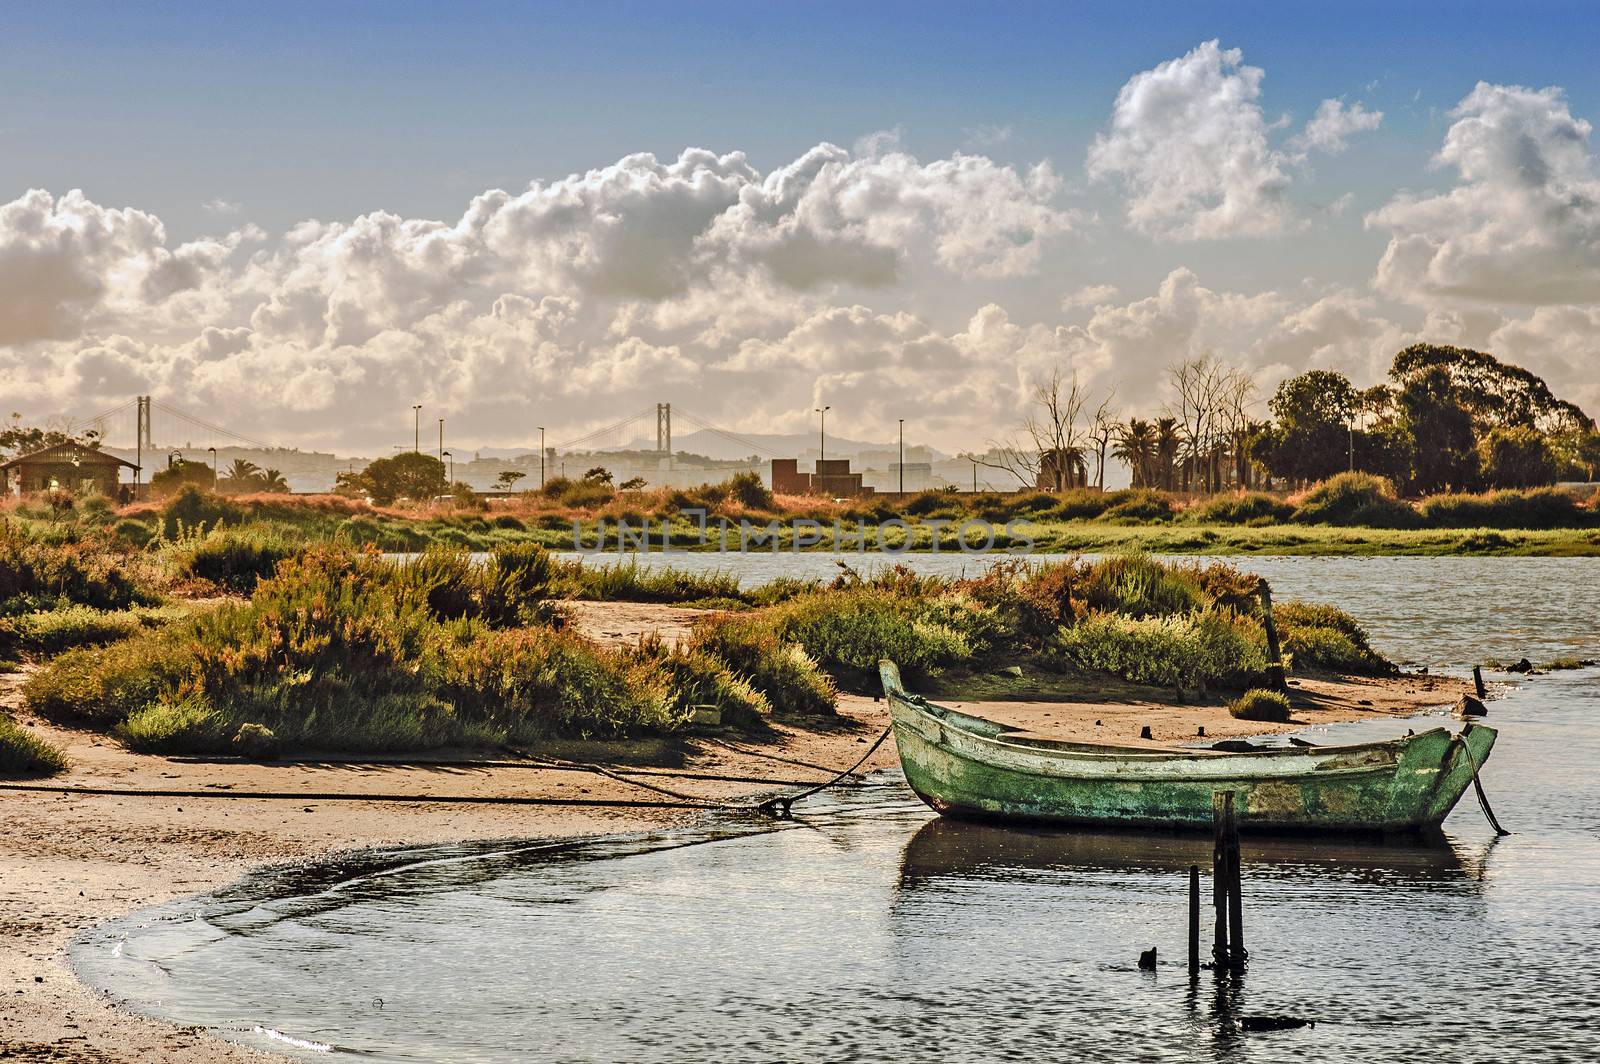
[[963, 765]]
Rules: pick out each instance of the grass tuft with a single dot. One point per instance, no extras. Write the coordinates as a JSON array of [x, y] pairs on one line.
[[25, 754], [1261, 704]]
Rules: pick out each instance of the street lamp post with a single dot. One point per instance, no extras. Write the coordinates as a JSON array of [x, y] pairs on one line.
[[213, 451], [441, 439], [416, 428], [822, 439], [974, 474], [902, 456]]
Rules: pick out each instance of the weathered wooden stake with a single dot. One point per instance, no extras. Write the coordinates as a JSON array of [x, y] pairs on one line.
[[1236, 951], [1219, 881], [1477, 683], [1275, 675], [1194, 920]]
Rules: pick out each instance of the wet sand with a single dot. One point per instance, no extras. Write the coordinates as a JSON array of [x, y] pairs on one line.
[[69, 861]]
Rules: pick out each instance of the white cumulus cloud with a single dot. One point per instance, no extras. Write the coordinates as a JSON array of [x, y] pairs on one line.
[[1521, 224], [1194, 150], [1331, 127]]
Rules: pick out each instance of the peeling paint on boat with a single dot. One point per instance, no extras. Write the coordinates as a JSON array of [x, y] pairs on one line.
[[961, 764]]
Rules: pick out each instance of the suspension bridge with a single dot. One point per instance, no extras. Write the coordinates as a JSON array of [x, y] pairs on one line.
[[148, 426]]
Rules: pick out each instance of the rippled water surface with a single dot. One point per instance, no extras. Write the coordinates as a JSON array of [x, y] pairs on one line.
[[869, 930]]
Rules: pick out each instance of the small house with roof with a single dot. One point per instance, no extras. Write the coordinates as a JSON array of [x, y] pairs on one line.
[[69, 467]]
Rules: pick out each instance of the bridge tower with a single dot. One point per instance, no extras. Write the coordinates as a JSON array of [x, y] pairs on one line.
[[664, 428]]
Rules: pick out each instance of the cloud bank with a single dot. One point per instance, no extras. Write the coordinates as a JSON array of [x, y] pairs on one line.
[[867, 278]]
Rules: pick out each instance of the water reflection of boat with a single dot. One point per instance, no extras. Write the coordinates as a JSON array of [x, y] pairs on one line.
[[950, 849], [964, 765]]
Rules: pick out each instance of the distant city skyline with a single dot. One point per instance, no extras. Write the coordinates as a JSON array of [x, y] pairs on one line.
[[300, 221]]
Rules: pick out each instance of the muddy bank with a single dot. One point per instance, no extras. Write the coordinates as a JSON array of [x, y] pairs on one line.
[[69, 861]]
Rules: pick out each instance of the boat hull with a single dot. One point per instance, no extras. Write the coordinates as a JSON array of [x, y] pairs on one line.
[[966, 766]]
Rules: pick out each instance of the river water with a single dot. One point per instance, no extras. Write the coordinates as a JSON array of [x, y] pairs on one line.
[[868, 930]]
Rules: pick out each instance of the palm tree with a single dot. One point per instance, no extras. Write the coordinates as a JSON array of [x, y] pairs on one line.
[[241, 476], [1168, 445], [273, 481], [1136, 448]]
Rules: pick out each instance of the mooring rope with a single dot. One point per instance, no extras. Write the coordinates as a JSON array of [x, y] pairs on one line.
[[526, 762], [680, 800], [780, 805], [1477, 786], [335, 796], [752, 752]]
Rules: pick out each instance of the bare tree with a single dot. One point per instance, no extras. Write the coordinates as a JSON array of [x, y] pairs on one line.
[[1103, 430], [1050, 453], [1213, 402], [1239, 396]]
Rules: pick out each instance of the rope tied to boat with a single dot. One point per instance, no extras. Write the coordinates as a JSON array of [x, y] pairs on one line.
[[780, 805], [1477, 786]]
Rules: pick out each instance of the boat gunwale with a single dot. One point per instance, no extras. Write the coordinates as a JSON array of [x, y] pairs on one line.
[[1094, 752]]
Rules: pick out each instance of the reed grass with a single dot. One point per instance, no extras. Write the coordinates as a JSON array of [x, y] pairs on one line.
[[24, 754]]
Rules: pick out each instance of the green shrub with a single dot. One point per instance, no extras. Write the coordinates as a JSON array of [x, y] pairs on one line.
[[1246, 508], [629, 581], [1356, 500], [1325, 638], [71, 569], [1258, 703], [25, 754], [1134, 585], [783, 672], [933, 504], [189, 726], [52, 631], [1141, 507], [1534, 509], [344, 650], [1214, 649], [445, 579], [103, 687], [531, 683], [233, 559], [748, 490], [509, 522], [1083, 504], [517, 586], [133, 532], [192, 511], [696, 678], [848, 632]]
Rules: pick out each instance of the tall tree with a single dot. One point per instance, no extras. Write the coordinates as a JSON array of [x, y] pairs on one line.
[[1496, 394], [1169, 443], [1517, 457], [1315, 415], [1444, 447], [408, 475], [1136, 448], [18, 438]]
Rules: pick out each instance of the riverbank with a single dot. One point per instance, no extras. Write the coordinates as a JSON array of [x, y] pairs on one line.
[[72, 860]]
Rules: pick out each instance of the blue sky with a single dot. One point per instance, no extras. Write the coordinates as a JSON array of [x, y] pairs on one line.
[[327, 110], [251, 119]]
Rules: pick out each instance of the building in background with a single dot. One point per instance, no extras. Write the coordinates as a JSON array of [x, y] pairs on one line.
[[832, 477], [69, 467]]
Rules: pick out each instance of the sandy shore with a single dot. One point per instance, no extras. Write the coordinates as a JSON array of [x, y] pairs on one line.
[[70, 861]]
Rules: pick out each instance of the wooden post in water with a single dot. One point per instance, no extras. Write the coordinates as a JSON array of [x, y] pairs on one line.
[[1219, 881], [1194, 920], [1275, 676], [1477, 683], [1236, 951]]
